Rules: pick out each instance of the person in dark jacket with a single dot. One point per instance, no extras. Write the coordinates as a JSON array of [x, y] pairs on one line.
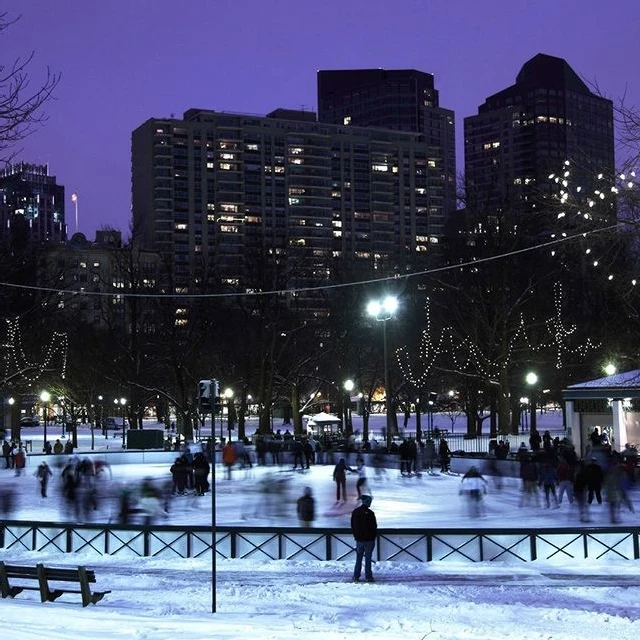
[[306, 507], [445, 455], [580, 490], [595, 477], [340, 478], [364, 528]]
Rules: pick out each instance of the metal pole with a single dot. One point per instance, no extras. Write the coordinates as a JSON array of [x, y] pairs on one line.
[[386, 383], [213, 515], [533, 410], [46, 405]]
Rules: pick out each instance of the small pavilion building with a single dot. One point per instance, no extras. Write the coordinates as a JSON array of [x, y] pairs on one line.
[[612, 404]]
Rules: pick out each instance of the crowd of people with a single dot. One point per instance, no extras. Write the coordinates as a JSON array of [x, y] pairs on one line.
[[601, 475], [550, 472]]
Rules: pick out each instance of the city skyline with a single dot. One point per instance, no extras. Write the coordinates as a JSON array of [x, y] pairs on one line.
[[124, 63]]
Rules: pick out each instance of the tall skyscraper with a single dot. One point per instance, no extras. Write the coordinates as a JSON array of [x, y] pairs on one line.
[[526, 132], [31, 205], [227, 196], [400, 100]]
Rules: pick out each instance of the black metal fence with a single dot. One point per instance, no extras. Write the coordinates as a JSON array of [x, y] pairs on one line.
[[283, 543]]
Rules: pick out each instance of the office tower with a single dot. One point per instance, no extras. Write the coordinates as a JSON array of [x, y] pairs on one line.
[[232, 199], [401, 100], [31, 205], [526, 132]]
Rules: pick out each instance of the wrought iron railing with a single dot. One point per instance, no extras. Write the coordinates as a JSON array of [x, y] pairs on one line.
[[278, 543]]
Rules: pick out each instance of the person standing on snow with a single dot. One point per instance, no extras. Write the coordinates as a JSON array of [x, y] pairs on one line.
[[365, 529]]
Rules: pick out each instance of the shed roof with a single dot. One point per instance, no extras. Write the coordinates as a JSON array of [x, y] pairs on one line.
[[620, 385]]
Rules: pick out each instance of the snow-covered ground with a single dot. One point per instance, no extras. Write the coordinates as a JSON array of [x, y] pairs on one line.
[[160, 598]]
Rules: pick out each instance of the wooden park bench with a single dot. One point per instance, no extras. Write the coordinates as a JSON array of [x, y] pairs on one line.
[[43, 575]]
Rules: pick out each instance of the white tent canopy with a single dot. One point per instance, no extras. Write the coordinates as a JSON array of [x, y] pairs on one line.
[[322, 418], [323, 423]]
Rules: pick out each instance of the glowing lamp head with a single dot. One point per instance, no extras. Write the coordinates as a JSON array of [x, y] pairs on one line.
[[383, 309]]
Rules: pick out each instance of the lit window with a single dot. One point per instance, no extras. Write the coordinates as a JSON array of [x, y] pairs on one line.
[[228, 156], [226, 166], [296, 150], [379, 167], [346, 120]]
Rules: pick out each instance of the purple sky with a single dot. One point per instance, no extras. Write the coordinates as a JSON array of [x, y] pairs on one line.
[[125, 61]]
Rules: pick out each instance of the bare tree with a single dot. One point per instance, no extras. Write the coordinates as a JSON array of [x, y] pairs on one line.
[[21, 105]]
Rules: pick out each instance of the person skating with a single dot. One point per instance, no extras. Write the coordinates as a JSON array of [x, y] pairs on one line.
[[340, 478], [306, 508]]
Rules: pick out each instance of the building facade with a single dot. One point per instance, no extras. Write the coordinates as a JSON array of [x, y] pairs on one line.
[[101, 272], [31, 205], [399, 100], [525, 133], [242, 203]]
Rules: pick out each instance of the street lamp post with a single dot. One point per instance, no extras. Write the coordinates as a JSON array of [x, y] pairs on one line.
[[532, 380], [101, 414], [524, 401], [45, 396], [228, 394], [348, 387], [123, 402], [382, 311]]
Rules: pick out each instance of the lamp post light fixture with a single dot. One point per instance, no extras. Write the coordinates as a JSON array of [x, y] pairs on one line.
[[228, 394], [45, 397], [123, 402], [348, 387], [610, 369], [532, 380], [382, 311]]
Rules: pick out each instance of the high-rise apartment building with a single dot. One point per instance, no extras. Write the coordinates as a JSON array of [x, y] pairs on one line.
[[228, 197], [31, 205], [526, 132], [400, 100]]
